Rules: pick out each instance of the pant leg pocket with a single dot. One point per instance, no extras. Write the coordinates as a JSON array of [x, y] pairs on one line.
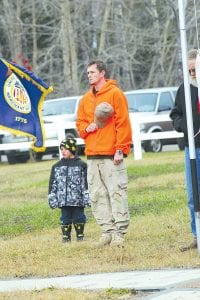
[[122, 177], [91, 182]]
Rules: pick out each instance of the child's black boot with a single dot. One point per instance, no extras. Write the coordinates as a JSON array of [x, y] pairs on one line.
[[66, 231], [79, 231]]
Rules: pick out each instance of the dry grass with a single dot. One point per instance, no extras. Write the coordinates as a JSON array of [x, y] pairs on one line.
[[60, 294], [152, 243]]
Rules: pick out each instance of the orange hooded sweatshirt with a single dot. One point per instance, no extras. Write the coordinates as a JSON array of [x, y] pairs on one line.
[[117, 133]]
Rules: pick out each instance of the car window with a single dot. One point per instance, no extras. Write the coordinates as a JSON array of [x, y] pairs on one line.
[[64, 106], [142, 102], [166, 101], [174, 92]]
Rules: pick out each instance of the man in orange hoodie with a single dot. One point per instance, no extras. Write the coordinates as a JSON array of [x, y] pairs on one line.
[[103, 122]]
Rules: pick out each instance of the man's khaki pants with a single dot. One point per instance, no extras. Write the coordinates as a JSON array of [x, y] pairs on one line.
[[108, 192]]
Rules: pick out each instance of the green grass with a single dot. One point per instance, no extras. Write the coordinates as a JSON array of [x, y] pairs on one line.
[[154, 170], [32, 217]]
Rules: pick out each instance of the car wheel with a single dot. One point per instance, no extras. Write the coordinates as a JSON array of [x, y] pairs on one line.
[[37, 156], [23, 159], [181, 143], [69, 135], [11, 159], [81, 148], [152, 146]]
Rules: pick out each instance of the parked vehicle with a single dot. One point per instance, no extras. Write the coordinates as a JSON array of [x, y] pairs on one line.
[[61, 109], [14, 156], [154, 101], [59, 114]]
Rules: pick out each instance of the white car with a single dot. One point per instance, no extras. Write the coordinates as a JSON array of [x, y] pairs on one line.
[[61, 109], [20, 154], [59, 117], [154, 101]]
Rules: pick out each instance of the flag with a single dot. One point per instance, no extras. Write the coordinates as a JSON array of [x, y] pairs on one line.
[[22, 95]]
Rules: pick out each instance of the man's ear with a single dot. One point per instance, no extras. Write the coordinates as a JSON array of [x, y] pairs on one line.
[[103, 73]]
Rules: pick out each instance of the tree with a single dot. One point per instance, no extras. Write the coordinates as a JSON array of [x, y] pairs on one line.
[[139, 40]]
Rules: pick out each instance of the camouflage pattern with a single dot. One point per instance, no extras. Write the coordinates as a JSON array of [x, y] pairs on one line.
[[68, 184], [107, 184]]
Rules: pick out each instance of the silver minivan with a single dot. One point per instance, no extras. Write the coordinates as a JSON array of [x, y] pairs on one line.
[[154, 101]]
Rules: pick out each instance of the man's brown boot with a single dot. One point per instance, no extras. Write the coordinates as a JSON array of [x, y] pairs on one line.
[[104, 240], [117, 240], [192, 245]]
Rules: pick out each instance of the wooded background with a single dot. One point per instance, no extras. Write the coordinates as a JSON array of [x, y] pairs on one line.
[[138, 39]]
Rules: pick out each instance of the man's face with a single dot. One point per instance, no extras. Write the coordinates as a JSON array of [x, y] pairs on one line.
[[94, 75], [191, 68]]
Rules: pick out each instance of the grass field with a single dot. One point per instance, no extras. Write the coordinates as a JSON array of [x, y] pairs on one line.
[[30, 237]]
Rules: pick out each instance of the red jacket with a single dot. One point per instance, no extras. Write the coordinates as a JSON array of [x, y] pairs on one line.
[[117, 133]]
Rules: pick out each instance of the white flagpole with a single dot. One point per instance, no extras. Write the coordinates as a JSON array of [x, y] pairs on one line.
[[189, 118]]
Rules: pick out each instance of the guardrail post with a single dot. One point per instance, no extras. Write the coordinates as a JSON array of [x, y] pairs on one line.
[[137, 147], [61, 136]]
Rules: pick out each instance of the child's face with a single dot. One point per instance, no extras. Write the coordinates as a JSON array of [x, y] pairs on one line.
[[66, 153]]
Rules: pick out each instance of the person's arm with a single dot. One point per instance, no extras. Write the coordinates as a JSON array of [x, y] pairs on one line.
[[83, 126], [118, 157], [122, 124], [177, 112], [52, 194], [84, 186]]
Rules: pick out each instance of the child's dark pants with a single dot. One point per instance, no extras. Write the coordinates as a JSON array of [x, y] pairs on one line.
[[75, 215]]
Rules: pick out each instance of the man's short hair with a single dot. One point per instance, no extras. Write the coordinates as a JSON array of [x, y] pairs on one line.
[[101, 66], [192, 54]]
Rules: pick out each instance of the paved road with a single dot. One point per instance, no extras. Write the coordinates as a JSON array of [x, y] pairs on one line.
[[181, 284]]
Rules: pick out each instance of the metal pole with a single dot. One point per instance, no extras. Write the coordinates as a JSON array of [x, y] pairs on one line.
[[189, 119]]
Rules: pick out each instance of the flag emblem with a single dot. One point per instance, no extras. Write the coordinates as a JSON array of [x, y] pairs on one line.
[[16, 95]]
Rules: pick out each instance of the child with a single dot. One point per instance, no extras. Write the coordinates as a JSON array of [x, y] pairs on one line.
[[68, 190]]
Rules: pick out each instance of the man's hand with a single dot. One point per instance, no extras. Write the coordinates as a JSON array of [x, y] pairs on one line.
[[91, 128], [118, 157]]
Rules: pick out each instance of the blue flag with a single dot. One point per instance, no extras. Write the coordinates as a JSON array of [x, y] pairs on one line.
[[21, 99]]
